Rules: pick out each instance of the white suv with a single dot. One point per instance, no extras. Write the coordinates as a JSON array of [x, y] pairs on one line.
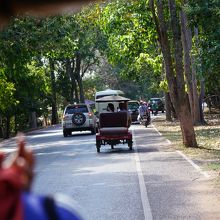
[[78, 117]]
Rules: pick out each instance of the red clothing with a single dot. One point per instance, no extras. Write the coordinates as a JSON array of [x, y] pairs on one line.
[[10, 192]]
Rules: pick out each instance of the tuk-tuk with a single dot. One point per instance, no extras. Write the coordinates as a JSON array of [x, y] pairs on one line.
[[113, 128]]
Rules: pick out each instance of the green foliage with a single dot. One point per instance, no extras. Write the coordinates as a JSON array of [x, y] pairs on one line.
[[6, 93], [63, 84], [132, 42], [206, 16], [123, 31], [91, 85], [23, 79], [164, 85]]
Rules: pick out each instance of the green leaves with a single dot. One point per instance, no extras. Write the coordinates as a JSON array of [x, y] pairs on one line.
[[205, 15], [132, 40], [7, 90]]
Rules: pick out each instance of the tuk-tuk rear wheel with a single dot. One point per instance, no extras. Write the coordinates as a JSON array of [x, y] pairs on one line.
[[130, 144], [98, 145]]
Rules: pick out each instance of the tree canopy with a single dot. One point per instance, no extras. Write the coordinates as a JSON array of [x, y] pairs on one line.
[[46, 63]]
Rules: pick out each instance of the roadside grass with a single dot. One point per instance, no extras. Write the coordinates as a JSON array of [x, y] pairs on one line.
[[207, 155]]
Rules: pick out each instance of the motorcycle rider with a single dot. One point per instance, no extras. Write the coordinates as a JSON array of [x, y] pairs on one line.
[[143, 112]]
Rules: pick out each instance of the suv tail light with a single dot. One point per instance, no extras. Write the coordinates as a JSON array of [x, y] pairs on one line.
[[90, 114], [65, 117]]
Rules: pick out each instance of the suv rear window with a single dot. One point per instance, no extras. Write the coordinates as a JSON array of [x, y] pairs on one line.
[[77, 108], [156, 100], [133, 105]]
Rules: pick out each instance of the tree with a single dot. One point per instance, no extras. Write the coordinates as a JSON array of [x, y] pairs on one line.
[[190, 73], [204, 16], [132, 44], [174, 66], [16, 58], [133, 41], [7, 100]]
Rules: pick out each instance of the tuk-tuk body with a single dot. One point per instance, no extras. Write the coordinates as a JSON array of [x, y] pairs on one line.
[[113, 127]]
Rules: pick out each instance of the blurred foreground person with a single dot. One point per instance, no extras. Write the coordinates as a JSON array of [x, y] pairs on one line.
[[17, 202]]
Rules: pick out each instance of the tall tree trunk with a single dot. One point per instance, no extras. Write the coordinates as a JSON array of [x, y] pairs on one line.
[[198, 114], [184, 115], [172, 113], [165, 47], [54, 119], [16, 123], [201, 98], [187, 63], [1, 127], [7, 130], [175, 78], [190, 75], [76, 93], [202, 86], [168, 107], [79, 78], [70, 73], [32, 119]]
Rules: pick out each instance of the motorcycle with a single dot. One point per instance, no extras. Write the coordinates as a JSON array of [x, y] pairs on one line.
[[145, 119]]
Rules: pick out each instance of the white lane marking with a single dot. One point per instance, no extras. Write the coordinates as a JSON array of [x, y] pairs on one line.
[[143, 190], [193, 164], [185, 157], [168, 141]]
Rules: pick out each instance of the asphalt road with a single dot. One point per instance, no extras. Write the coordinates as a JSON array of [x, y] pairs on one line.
[[153, 181]]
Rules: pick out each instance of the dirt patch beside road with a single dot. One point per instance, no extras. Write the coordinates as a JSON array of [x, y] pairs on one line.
[[207, 155]]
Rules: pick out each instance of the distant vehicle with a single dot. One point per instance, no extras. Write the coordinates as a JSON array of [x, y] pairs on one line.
[[160, 106], [78, 117], [101, 106], [133, 106]]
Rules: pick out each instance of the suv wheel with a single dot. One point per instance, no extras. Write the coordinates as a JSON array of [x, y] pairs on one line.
[[78, 118], [93, 130], [65, 134]]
